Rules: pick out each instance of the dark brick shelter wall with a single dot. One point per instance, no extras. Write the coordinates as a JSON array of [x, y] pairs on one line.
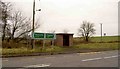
[[70, 40], [59, 39]]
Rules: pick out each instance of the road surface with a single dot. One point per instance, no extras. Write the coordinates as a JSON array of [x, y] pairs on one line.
[[92, 59]]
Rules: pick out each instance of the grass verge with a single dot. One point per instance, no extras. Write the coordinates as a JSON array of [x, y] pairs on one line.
[[15, 51], [57, 49]]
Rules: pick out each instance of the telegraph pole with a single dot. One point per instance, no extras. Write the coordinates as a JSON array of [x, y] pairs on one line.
[[101, 31], [33, 23]]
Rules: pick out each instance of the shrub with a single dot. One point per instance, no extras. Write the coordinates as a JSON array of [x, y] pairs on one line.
[[12, 44]]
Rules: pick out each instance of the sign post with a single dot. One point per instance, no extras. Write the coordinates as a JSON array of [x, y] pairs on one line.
[[44, 36]]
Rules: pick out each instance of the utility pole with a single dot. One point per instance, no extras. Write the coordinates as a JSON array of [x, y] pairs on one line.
[[33, 23], [101, 31]]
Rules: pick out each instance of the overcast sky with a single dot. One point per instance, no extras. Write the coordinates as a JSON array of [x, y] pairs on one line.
[[59, 15]]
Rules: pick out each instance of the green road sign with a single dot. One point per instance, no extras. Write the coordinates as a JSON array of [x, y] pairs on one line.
[[38, 35], [50, 36], [44, 36]]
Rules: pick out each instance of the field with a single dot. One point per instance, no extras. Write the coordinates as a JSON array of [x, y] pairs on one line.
[[95, 44], [105, 39]]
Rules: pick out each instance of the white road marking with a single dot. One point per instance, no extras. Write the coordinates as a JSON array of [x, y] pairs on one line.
[[91, 59], [107, 57], [90, 53], [114, 56], [110, 57], [20, 68], [38, 65], [100, 58]]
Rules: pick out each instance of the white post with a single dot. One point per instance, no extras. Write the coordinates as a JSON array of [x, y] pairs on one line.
[[101, 31]]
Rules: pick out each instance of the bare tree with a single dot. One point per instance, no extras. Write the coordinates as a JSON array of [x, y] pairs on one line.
[[17, 22], [86, 30], [20, 25], [1, 8], [5, 8]]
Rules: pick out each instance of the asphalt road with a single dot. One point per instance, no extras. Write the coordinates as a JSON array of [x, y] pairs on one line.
[[92, 59]]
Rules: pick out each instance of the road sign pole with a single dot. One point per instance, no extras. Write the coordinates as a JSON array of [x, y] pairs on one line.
[[44, 41], [33, 23], [43, 44], [53, 42], [44, 37]]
